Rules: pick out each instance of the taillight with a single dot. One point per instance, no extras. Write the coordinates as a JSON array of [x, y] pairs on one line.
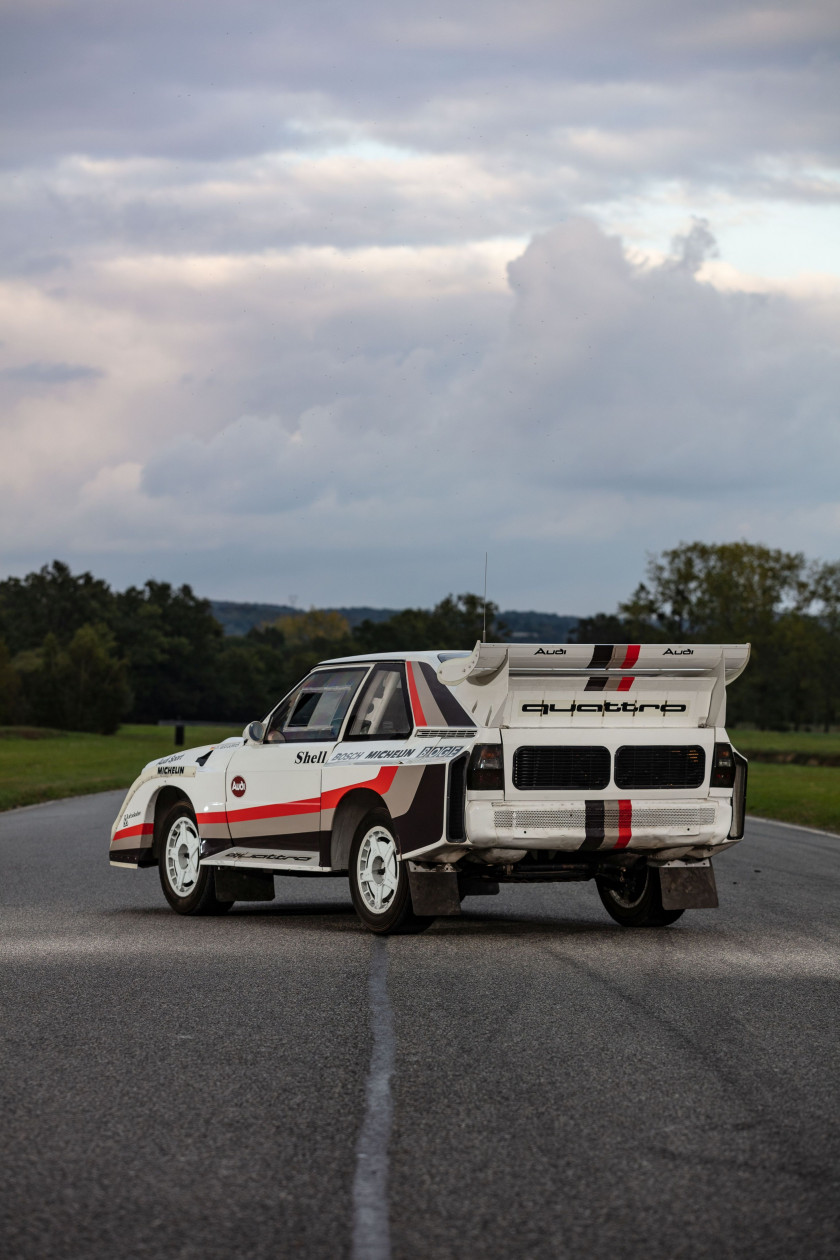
[[723, 767], [486, 771]]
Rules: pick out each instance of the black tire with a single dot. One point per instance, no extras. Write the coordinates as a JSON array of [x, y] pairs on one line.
[[638, 903], [176, 866], [396, 915]]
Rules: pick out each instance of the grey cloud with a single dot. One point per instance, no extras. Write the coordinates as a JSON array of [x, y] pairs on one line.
[[39, 373], [557, 108], [202, 80]]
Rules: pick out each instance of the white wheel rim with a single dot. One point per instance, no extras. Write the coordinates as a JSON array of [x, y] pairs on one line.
[[376, 868], [181, 857]]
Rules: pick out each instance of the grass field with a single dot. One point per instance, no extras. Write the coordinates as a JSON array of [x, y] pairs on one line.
[[50, 764], [807, 795], [819, 743]]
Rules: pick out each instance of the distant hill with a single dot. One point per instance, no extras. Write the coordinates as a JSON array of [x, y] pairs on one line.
[[537, 627], [240, 618], [523, 627]]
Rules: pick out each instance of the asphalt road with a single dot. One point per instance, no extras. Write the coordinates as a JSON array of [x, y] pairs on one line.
[[559, 1087]]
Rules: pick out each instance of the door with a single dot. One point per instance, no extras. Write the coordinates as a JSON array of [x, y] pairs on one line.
[[273, 789]]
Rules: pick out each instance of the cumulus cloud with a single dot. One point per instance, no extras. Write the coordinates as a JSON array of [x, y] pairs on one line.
[[591, 407]]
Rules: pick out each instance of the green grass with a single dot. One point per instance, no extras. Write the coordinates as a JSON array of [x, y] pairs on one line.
[[806, 795], [38, 765], [817, 742]]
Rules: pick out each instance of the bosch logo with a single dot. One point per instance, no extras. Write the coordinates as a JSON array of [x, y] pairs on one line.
[[238, 786]]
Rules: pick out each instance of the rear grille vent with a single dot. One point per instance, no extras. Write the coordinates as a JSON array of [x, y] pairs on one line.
[[642, 819], [659, 766], [568, 768], [560, 819], [698, 816]]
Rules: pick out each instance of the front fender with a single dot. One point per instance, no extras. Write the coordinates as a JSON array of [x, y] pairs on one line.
[[133, 832]]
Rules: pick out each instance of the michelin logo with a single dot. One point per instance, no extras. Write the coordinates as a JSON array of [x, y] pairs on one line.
[[388, 754]]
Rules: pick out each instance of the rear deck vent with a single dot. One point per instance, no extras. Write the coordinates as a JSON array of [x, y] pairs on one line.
[[561, 767], [659, 766]]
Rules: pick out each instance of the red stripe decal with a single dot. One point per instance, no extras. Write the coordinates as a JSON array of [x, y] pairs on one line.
[[211, 816], [419, 715], [381, 782], [625, 684], [141, 829], [625, 821], [631, 656], [285, 810]]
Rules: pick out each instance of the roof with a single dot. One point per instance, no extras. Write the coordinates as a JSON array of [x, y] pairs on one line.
[[432, 658]]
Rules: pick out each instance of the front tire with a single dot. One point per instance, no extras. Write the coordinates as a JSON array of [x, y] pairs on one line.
[[188, 887], [638, 903], [379, 881]]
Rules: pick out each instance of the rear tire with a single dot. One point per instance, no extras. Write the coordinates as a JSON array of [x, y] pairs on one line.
[[188, 887], [379, 881], [639, 902]]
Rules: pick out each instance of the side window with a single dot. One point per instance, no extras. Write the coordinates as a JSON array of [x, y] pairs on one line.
[[315, 709], [382, 711]]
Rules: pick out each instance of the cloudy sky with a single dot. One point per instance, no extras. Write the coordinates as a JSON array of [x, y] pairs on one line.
[[325, 300]]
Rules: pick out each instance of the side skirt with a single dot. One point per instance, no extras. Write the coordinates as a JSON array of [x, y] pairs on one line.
[[269, 860]]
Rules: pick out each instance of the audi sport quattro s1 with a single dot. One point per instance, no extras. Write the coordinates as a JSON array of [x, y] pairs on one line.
[[428, 777]]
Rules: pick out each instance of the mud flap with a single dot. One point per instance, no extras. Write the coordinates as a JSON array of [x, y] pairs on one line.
[[688, 886], [433, 893], [236, 884]]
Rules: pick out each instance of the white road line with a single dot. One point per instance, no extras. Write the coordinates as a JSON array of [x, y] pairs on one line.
[[371, 1219]]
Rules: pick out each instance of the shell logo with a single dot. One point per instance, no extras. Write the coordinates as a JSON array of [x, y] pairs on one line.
[[237, 785]]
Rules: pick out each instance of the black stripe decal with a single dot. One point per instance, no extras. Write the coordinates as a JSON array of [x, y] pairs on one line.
[[601, 656], [423, 822], [594, 825], [596, 684], [453, 714]]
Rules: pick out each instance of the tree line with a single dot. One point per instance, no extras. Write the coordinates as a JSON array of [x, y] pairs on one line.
[[76, 655], [786, 606]]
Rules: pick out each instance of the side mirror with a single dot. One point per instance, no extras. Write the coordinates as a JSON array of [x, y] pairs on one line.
[[255, 732]]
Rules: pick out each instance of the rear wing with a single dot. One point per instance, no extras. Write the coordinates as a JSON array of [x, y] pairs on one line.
[[726, 660], [576, 684]]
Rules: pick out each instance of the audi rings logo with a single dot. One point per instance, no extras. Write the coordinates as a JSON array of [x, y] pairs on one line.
[[238, 786]]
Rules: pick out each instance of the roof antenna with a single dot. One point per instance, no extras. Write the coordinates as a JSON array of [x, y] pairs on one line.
[[484, 631]]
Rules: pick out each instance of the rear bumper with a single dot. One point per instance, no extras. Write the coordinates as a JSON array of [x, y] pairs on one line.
[[571, 826]]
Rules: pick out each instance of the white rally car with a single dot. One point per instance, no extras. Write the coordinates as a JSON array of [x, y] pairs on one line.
[[431, 776]]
